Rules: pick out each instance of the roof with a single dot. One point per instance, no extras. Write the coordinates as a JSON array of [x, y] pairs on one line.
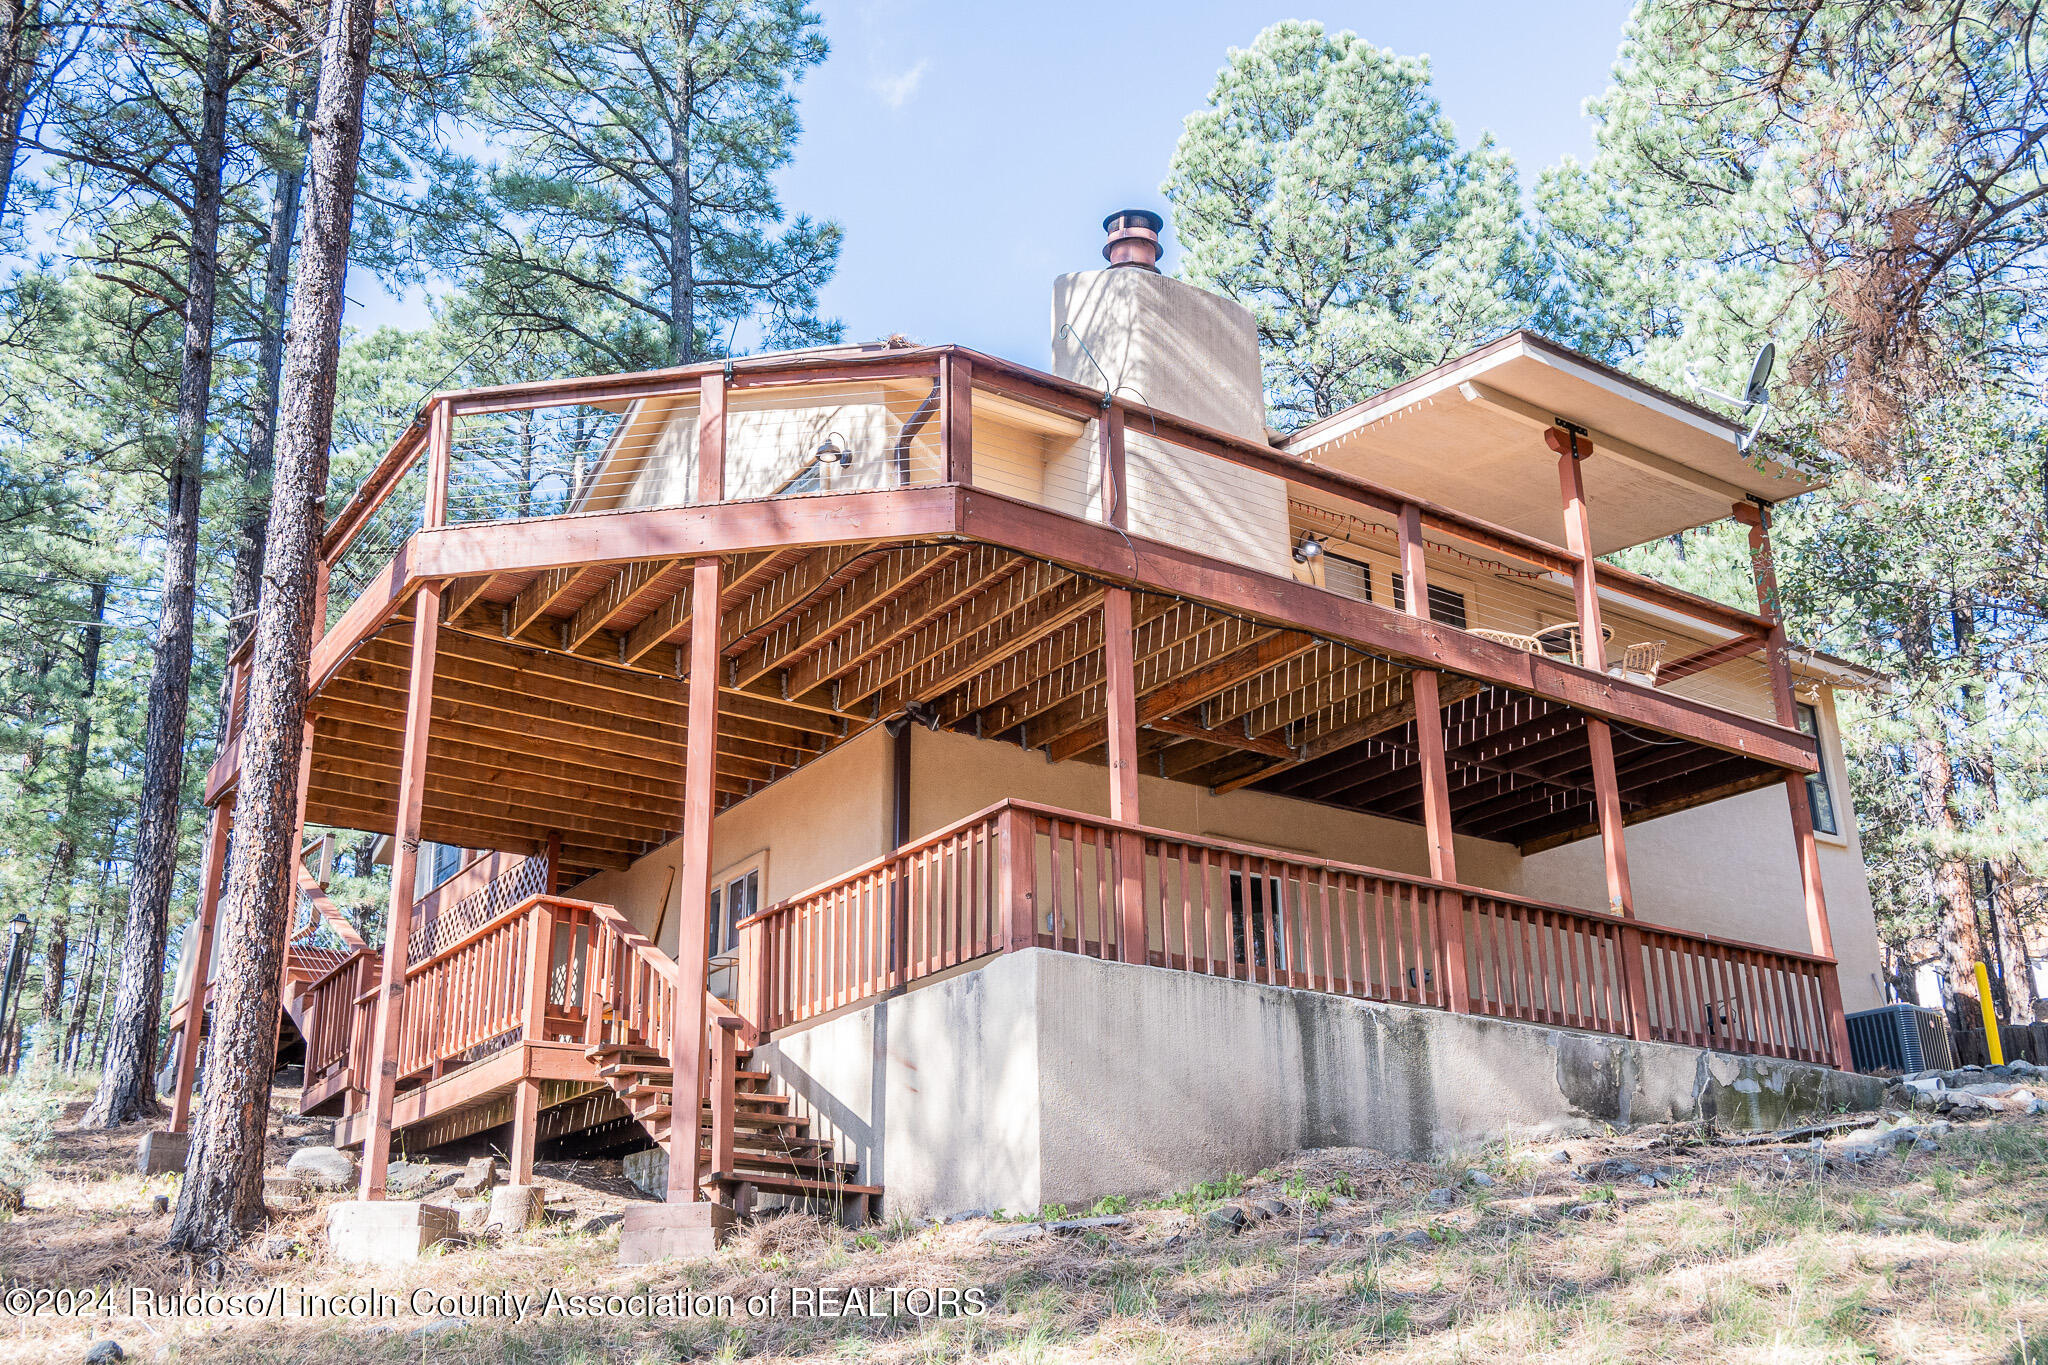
[[1468, 434]]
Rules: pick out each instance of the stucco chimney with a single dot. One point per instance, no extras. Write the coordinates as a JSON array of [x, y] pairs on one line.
[[1168, 345], [1158, 341]]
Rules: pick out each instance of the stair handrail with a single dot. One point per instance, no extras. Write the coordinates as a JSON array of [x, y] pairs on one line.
[[605, 985]]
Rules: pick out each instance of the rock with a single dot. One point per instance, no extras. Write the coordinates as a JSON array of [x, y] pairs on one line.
[[1228, 1220], [160, 1203], [1074, 1226], [277, 1247], [967, 1215], [1263, 1209], [413, 1179], [514, 1208], [105, 1353], [1561, 1157], [1416, 1237], [283, 1189], [323, 1168], [438, 1327], [1586, 1211], [1612, 1169], [1013, 1234], [1480, 1178], [478, 1176], [601, 1222], [1441, 1199]]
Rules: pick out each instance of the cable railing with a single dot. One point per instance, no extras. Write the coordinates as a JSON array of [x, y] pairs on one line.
[[842, 422]]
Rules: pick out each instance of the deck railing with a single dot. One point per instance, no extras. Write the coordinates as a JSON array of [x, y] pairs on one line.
[[1021, 875], [337, 1012]]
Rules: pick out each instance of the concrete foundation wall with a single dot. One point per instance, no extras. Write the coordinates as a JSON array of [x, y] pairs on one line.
[[1043, 1076]]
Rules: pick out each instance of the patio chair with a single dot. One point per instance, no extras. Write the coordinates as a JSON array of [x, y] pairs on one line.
[[1640, 662], [1528, 644]]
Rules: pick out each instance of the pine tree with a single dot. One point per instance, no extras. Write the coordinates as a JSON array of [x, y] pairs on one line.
[[633, 213], [1322, 187]]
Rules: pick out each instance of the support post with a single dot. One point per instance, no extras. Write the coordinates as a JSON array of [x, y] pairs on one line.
[[553, 853], [412, 779], [700, 790], [1436, 773], [1578, 538], [212, 867], [1120, 702], [956, 397], [752, 975], [525, 1129], [1819, 935], [1620, 890]]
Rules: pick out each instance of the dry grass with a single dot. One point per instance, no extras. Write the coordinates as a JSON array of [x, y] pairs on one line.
[[1759, 1253]]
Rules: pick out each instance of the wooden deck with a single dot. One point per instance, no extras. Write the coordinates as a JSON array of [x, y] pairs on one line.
[[578, 618]]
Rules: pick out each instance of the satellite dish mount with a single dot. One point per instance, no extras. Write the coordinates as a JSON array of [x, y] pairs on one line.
[[1756, 394]]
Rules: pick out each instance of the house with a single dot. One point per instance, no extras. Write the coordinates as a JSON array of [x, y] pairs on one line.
[[969, 785]]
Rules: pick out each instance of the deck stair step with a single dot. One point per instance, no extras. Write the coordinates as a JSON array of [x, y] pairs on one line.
[[773, 1148]]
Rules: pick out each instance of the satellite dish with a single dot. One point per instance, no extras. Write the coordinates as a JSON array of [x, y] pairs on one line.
[[1756, 394], [1758, 390]]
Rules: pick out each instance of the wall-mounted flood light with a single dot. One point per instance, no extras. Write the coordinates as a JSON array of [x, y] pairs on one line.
[[1308, 549]]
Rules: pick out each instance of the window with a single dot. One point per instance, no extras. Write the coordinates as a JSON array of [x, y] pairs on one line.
[[1446, 605], [1820, 797], [734, 897], [437, 863], [1268, 918], [1351, 577]]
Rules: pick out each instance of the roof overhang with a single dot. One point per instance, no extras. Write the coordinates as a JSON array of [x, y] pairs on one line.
[[1469, 434]]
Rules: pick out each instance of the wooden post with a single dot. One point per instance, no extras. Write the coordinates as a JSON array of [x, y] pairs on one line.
[[1436, 773], [751, 971], [1120, 702], [1016, 852], [700, 790], [1819, 933], [440, 430], [212, 867], [956, 396], [711, 440], [1578, 538], [412, 779], [1620, 890], [540, 968], [724, 1093], [553, 853]]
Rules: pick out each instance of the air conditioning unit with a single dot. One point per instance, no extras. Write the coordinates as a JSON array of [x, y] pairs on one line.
[[1901, 1038]]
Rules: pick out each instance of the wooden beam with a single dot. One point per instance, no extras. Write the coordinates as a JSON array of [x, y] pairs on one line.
[[617, 596], [887, 601], [212, 871], [542, 593]]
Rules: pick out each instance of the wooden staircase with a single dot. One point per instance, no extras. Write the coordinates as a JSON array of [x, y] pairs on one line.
[[773, 1150]]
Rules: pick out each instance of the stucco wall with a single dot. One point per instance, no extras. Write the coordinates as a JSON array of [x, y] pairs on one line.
[[1049, 1077]]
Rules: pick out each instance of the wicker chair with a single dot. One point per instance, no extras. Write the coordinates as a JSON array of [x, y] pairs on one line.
[[1528, 644], [1640, 662]]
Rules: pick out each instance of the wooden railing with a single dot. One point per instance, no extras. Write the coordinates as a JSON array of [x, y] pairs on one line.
[[337, 1013], [1019, 875]]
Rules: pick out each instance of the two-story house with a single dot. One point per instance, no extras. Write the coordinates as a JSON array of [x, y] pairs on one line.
[[931, 775]]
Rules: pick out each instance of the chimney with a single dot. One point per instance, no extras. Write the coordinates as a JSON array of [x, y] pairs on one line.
[[1133, 239]]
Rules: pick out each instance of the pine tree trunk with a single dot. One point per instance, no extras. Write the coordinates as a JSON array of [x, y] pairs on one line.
[[127, 1090], [682, 277], [19, 22], [222, 1195], [261, 453], [64, 865]]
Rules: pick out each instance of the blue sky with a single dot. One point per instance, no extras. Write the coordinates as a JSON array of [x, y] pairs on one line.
[[971, 151]]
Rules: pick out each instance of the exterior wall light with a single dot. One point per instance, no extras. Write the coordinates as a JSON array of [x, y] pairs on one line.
[[1308, 549]]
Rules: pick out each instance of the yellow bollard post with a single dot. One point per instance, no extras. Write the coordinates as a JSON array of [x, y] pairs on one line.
[[1991, 1038]]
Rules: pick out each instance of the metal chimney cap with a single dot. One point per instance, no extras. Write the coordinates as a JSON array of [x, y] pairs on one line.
[[1133, 239]]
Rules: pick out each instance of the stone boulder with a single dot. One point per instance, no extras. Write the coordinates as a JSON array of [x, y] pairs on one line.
[[323, 1168]]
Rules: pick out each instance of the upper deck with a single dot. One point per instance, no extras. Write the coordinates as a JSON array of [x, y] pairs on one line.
[[933, 528]]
